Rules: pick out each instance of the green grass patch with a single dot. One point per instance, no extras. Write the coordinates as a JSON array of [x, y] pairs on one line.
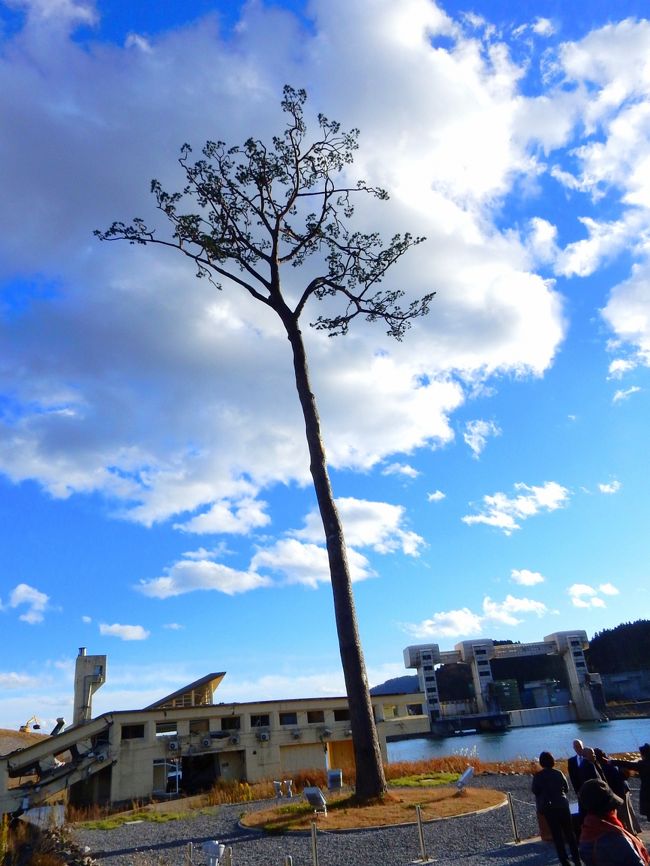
[[425, 780], [115, 821]]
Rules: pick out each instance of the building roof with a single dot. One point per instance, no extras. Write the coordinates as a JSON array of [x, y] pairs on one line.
[[196, 694]]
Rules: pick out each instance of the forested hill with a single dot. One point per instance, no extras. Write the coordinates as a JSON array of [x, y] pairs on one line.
[[623, 648]]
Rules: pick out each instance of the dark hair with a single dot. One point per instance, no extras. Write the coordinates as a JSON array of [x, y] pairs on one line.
[[546, 759], [644, 750], [597, 797]]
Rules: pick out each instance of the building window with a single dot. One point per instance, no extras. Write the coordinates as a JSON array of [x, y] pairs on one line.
[[231, 723], [484, 673], [199, 726], [132, 732], [414, 710], [315, 717], [342, 715], [166, 729], [288, 718], [260, 720]]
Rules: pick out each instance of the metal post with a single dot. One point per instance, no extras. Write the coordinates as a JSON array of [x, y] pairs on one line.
[[515, 831], [227, 856], [288, 860], [314, 844], [424, 857], [189, 854]]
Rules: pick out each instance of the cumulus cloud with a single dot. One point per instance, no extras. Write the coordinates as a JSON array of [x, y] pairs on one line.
[[191, 575], [237, 518], [36, 602], [610, 487], [477, 433], [88, 418], [436, 496], [302, 562], [506, 513], [585, 596], [378, 525], [620, 366], [467, 623], [124, 632], [404, 469], [525, 577], [450, 623]]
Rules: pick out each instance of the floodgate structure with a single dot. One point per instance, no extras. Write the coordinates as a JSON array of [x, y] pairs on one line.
[[186, 741]]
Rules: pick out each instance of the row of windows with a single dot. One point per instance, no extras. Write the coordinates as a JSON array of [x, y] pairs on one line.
[[233, 723]]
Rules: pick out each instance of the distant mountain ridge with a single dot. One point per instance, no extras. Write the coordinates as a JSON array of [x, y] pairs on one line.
[[405, 685]]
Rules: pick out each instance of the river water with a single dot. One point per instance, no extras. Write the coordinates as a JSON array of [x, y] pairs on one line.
[[623, 735]]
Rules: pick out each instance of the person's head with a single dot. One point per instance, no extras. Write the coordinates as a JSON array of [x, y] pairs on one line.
[[588, 754], [546, 759], [578, 747], [644, 750], [597, 798], [600, 755]]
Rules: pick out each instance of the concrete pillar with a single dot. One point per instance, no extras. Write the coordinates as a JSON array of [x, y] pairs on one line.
[[90, 674]]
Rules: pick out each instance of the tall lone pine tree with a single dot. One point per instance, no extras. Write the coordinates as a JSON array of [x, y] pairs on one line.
[[258, 209]]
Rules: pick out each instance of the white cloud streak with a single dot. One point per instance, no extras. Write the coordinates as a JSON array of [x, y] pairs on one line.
[[507, 514], [124, 632]]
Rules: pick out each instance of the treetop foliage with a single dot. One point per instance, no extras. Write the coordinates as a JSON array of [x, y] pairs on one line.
[[626, 647], [246, 211]]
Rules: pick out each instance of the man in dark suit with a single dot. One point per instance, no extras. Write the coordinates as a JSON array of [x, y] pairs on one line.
[[581, 767], [574, 766]]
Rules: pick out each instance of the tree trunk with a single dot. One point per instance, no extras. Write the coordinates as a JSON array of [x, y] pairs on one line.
[[370, 780]]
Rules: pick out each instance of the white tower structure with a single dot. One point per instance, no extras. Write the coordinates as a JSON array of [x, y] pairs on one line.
[[478, 654], [89, 675]]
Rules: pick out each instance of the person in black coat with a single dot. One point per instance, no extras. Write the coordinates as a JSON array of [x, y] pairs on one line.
[[550, 788], [615, 778]]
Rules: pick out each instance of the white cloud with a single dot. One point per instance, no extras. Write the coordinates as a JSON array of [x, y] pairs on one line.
[[86, 619], [12, 680], [436, 496], [585, 596], [543, 27], [625, 394], [450, 623], [400, 469], [610, 487], [237, 518], [302, 562], [190, 575], [477, 433], [36, 602], [173, 626], [447, 142], [124, 632], [507, 514], [378, 525], [620, 366], [525, 577], [466, 623]]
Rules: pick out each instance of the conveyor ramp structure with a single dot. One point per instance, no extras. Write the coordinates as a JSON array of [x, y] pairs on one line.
[[88, 752]]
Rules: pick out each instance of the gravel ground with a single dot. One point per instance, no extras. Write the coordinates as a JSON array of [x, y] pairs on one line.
[[471, 840]]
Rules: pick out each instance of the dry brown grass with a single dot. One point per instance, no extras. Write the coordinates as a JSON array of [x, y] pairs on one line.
[[397, 807]]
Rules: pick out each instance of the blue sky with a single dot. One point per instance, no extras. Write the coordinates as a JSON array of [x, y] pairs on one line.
[[491, 469]]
